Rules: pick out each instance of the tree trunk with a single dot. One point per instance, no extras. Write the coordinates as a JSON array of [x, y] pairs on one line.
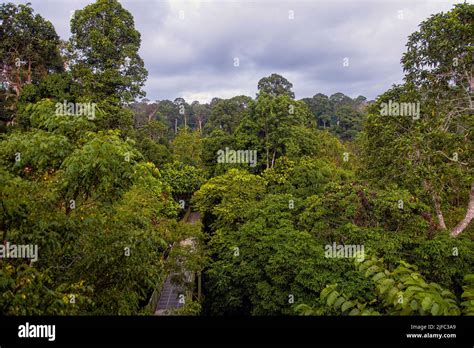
[[29, 72], [436, 201], [467, 218], [273, 158], [268, 159], [150, 116], [17, 85], [439, 213]]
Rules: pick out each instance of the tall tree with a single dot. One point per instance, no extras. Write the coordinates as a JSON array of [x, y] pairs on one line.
[[183, 112], [275, 85], [29, 50], [430, 150], [105, 55], [269, 125], [226, 114], [187, 147], [201, 113], [439, 60], [169, 113]]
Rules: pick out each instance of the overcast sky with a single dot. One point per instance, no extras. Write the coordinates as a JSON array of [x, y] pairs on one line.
[[190, 48]]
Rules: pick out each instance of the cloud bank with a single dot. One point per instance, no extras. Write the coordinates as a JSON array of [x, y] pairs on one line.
[[203, 49]]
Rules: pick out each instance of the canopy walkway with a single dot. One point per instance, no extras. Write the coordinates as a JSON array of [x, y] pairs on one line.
[[171, 297]]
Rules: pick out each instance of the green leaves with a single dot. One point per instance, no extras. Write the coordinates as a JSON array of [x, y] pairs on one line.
[[227, 196], [386, 285], [30, 42], [426, 303], [226, 114], [332, 297], [187, 147], [340, 303], [468, 295], [275, 85], [183, 179], [428, 154], [103, 213], [304, 309], [268, 126], [104, 52], [346, 306], [407, 291], [401, 292], [96, 211], [34, 153], [26, 291], [102, 168]]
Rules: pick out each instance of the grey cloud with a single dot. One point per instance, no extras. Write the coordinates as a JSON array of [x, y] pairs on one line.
[[193, 56]]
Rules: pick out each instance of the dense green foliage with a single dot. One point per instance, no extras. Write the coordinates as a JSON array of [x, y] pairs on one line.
[[99, 211], [320, 206]]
